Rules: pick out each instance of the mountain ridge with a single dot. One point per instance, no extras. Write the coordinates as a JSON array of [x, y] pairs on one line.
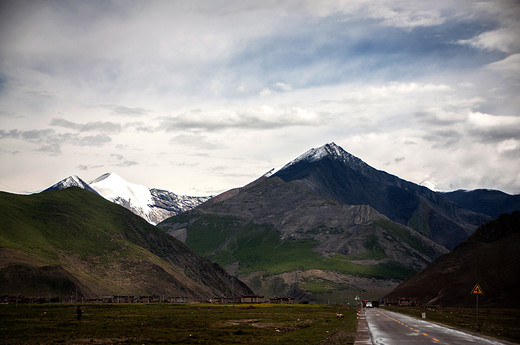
[[152, 204], [486, 201]]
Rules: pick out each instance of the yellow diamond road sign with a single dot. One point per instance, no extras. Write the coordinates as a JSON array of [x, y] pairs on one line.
[[477, 290]]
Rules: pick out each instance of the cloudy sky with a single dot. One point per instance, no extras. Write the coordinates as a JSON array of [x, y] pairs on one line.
[[201, 96]]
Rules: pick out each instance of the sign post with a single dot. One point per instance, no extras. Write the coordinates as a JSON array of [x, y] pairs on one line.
[[477, 290]]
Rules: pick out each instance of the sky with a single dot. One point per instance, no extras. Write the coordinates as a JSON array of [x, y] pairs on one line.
[[197, 97]]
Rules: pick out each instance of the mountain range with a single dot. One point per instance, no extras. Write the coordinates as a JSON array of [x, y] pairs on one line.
[[487, 201], [66, 241], [325, 226], [154, 205]]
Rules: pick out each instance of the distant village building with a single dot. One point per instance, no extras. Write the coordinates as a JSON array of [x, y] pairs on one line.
[[282, 300], [252, 299]]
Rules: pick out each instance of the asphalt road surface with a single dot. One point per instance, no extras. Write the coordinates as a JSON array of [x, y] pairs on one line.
[[388, 328]]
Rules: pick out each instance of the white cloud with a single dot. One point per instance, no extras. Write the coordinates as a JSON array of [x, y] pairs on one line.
[[503, 39], [509, 146], [481, 120], [265, 92], [405, 18], [509, 67], [283, 86]]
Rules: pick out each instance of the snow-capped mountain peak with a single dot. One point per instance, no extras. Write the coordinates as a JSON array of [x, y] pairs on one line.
[[329, 150], [153, 205], [71, 181], [112, 186]]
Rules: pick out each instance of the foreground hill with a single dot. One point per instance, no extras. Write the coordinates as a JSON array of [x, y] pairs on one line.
[[488, 257], [58, 241]]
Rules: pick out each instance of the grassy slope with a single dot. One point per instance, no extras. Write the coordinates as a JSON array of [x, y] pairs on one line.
[[260, 248], [48, 223], [104, 246], [178, 324]]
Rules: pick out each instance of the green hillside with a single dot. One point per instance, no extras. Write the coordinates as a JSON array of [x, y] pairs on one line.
[[258, 247], [86, 242]]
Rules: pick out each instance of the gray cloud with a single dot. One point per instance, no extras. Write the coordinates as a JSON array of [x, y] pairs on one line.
[[198, 141], [127, 164], [53, 149], [84, 167], [91, 140], [51, 142], [37, 136], [260, 118], [431, 118], [117, 156], [443, 135], [122, 110], [107, 127], [122, 162], [494, 135], [13, 133], [11, 152]]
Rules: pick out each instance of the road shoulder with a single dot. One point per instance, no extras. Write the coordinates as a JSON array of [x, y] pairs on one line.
[[363, 334]]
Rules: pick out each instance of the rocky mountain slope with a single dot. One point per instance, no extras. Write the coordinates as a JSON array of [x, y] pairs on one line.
[[333, 173], [154, 205], [58, 241], [487, 257]]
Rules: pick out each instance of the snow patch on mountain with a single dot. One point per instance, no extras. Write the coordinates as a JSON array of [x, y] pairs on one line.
[[114, 188], [329, 150], [154, 205]]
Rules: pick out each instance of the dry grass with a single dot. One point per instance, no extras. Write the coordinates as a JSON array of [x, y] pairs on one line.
[[177, 324]]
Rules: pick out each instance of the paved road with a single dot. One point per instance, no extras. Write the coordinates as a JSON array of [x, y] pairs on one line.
[[388, 328]]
